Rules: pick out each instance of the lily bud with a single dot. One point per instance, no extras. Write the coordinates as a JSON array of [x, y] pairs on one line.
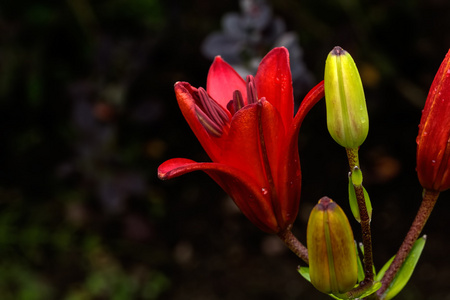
[[347, 119], [333, 264], [433, 141]]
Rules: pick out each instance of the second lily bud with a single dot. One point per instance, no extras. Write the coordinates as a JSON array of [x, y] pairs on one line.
[[333, 264], [347, 118], [433, 141]]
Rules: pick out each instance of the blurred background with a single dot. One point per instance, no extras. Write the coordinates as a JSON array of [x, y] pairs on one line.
[[88, 112]]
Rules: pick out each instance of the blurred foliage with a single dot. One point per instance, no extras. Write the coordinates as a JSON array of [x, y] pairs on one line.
[[78, 214], [87, 113]]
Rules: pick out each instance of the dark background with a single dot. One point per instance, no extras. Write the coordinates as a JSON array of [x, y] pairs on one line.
[[87, 113]]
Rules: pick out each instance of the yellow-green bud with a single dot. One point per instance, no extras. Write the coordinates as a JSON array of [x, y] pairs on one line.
[[347, 119], [333, 266]]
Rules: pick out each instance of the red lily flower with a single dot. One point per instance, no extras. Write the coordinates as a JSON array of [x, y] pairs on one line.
[[249, 132], [433, 141]]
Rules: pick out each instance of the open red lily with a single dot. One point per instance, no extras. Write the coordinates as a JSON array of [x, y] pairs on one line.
[[433, 141], [249, 132]]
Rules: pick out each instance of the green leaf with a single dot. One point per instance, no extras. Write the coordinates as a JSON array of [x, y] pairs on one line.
[[368, 203], [304, 271], [405, 271], [375, 287], [354, 202], [384, 269], [361, 248], [335, 297], [360, 265]]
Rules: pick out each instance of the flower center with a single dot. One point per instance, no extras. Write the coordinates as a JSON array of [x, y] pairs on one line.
[[210, 114], [213, 117], [238, 101], [252, 96]]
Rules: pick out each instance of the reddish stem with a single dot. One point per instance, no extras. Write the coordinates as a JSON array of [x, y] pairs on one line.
[[294, 244], [428, 202]]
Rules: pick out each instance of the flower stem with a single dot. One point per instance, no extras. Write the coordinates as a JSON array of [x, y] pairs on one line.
[[428, 201], [294, 244], [353, 160], [363, 287]]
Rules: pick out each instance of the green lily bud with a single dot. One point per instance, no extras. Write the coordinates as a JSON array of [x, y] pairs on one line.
[[347, 119], [333, 266]]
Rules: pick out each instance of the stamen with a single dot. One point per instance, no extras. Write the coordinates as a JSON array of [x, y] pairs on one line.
[[213, 110], [230, 107], [210, 114], [252, 96], [212, 128], [236, 103], [238, 100]]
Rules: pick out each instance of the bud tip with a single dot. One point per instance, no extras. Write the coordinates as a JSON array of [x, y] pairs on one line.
[[325, 203], [337, 51]]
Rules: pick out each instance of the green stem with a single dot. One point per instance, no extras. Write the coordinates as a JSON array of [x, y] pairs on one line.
[[428, 201], [353, 160], [294, 244]]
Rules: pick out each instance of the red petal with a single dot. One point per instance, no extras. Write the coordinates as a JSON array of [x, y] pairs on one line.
[[245, 150], [274, 81], [274, 135], [242, 149], [254, 153], [222, 81], [289, 174], [174, 167], [242, 188], [211, 144], [311, 99]]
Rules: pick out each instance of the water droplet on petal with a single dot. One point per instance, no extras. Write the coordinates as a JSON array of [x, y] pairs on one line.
[[264, 191]]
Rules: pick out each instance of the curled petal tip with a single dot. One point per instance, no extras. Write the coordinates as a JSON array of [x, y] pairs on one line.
[[162, 173], [174, 167]]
